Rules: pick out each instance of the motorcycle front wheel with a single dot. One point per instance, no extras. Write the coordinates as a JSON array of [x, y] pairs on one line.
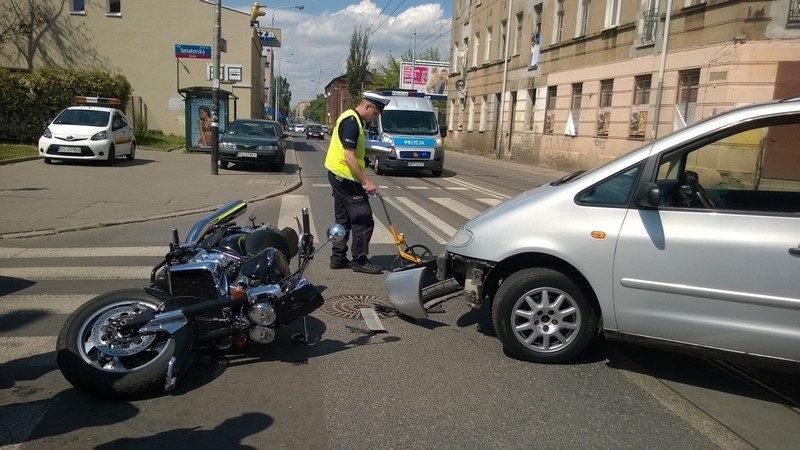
[[99, 359]]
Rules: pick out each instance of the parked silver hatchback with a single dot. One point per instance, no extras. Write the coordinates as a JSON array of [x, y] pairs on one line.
[[690, 242]]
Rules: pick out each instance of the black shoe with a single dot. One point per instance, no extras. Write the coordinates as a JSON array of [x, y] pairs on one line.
[[338, 264], [366, 267]]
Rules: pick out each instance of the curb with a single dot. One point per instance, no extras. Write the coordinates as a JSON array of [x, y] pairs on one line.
[[3, 162]]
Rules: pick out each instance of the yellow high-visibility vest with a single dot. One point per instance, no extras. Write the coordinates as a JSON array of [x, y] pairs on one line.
[[334, 160]]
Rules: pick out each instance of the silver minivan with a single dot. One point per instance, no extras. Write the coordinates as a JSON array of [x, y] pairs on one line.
[[690, 242]]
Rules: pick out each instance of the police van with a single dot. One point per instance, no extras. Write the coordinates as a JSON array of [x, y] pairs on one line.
[[410, 126]]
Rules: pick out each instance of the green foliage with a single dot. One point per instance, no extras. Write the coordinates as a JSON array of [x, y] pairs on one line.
[[285, 95], [388, 76], [316, 109], [160, 141], [357, 62], [17, 151], [29, 101]]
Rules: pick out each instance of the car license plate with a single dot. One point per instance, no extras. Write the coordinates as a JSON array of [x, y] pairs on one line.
[[416, 164], [64, 149], [247, 155]]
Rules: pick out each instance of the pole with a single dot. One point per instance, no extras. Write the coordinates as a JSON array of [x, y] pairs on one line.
[[413, 59], [500, 152], [278, 93], [215, 90], [659, 90]]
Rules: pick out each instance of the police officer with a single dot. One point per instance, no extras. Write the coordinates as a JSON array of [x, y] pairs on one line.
[[351, 187]]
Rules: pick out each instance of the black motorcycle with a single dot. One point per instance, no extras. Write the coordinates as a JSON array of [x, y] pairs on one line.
[[223, 286]]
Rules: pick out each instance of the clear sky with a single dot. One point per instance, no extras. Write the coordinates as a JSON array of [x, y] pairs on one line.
[[316, 39]]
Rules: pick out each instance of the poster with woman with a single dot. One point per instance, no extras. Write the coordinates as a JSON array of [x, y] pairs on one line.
[[200, 121]]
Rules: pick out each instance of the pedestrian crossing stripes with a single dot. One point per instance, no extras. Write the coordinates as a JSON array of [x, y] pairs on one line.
[[45, 303]]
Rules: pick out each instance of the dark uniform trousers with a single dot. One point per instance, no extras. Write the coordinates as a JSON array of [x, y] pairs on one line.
[[353, 211]]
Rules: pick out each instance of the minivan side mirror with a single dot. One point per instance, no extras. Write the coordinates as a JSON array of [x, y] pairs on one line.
[[443, 131], [648, 195]]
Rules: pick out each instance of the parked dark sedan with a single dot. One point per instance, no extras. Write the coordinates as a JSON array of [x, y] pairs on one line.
[[253, 141], [315, 131]]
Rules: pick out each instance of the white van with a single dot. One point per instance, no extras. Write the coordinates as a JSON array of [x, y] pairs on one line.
[[411, 128]]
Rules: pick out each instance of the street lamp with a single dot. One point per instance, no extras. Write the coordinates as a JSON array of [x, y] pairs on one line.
[[278, 87], [272, 56], [300, 7]]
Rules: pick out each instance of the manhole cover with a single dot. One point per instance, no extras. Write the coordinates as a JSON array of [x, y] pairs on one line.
[[348, 306]]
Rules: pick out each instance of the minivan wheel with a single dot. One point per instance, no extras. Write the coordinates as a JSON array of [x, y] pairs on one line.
[[541, 316]]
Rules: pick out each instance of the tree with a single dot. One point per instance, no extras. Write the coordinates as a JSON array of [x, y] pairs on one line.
[[357, 62], [388, 76], [282, 85], [316, 109]]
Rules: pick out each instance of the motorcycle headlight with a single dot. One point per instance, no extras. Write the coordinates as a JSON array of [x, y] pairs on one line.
[[99, 136], [462, 238], [46, 133], [267, 147], [228, 145]]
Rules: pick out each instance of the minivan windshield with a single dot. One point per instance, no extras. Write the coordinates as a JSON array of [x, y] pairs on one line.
[[409, 122]]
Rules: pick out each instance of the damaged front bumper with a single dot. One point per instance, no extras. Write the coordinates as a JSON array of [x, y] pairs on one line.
[[413, 291]]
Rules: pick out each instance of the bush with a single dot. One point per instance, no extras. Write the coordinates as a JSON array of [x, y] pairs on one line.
[[29, 101]]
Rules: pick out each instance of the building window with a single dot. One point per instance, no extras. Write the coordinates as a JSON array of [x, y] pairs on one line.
[[531, 107], [487, 50], [613, 8], [688, 85], [114, 7], [518, 37], [559, 21], [484, 110], [471, 115], [475, 49], [604, 114], [503, 36], [606, 90], [649, 23], [794, 12], [583, 18], [77, 7], [574, 110], [550, 109], [694, 3], [641, 90]]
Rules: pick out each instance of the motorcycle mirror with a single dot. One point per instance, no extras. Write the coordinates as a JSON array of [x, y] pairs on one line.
[[336, 232]]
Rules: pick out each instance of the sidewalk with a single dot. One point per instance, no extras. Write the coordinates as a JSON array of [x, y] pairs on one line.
[[37, 199]]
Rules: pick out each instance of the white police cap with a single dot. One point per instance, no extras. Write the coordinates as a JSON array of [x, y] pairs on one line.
[[376, 99]]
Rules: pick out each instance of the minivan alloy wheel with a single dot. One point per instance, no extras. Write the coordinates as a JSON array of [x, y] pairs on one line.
[[540, 315]]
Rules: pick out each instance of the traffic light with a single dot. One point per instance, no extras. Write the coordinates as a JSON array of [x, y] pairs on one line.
[[255, 13]]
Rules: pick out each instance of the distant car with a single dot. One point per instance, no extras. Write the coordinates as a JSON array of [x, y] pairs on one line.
[[315, 132], [89, 133], [299, 128], [326, 129], [253, 141], [689, 242]]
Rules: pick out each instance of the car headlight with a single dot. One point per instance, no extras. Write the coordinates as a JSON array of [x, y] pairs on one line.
[[385, 138], [462, 238], [228, 145], [99, 136], [267, 147], [46, 133], [438, 142]]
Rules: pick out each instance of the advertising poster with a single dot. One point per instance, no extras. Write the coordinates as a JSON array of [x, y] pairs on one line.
[[429, 77], [200, 117]]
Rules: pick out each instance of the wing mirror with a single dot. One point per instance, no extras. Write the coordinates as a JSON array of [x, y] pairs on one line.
[[377, 147], [648, 195]]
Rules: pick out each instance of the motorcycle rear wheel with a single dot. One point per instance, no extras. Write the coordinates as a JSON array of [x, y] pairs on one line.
[[99, 360]]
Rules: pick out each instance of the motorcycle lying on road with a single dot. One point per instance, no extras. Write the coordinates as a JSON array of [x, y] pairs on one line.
[[223, 286]]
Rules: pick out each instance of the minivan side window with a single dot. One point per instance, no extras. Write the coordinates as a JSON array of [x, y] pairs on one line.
[[756, 170], [614, 191]]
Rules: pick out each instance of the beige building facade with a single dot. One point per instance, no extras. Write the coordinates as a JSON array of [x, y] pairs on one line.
[[595, 83], [137, 39]]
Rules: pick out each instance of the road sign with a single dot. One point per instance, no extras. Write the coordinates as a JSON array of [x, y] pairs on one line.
[[269, 37], [192, 51]]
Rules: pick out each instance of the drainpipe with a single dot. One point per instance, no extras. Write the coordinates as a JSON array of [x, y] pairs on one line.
[[500, 153], [664, 41]]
